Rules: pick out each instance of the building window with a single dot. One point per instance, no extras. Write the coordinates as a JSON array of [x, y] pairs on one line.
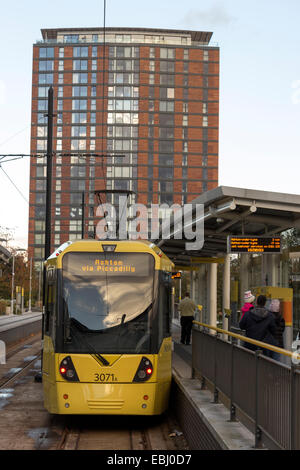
[[166, 66], [42, 92], [78, 131], [166, 79], [167, 53], [46, 79], [166, 132], [80, 51], [81, 78], [46, 65], [79, 118], [166, 93], [78, 145], [166, 106], [185, 54], [80, 64], [80, 91], [79, 105], [71, 38], [46, 52]]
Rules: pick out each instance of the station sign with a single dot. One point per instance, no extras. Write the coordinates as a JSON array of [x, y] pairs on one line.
[[251, 244]]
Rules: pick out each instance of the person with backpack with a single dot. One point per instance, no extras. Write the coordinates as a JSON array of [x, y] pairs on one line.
[[260, 325]]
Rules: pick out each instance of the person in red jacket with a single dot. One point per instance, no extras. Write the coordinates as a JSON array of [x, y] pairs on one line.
[[249, 299]]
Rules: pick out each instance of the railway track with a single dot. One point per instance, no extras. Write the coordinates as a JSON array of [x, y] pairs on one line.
[[121, 433], [21, 403], [18, 362]]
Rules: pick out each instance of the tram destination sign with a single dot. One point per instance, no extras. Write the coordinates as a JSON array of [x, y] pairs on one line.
[[250, 244]]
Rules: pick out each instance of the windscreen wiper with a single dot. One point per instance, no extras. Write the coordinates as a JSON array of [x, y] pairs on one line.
[[84, 340]]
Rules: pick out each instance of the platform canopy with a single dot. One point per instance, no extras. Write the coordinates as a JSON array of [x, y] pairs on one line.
[[235, 211]]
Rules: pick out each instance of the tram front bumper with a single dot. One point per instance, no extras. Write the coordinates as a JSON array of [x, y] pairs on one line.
[[107, 398]]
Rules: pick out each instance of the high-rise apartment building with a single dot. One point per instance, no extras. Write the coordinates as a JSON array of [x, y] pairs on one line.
[[135, 109]]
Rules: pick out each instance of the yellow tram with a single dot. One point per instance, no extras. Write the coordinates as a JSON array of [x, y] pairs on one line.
[[106, 334]]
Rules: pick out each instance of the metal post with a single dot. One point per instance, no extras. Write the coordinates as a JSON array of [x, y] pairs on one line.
[[30, 287], [82, 215], [244, 276], [232, 406], [12, 285], [257, 428], [213, 294], [49, 182], [216, 391], [180, 293], [38, 376], [40, 282], [226, 293], [292, 406], [49, 173], [22, 300]]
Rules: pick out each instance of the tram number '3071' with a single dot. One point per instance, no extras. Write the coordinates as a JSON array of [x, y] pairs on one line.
[[105, 378]]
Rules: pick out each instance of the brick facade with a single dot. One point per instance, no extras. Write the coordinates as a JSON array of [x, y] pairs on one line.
[[158, 108]]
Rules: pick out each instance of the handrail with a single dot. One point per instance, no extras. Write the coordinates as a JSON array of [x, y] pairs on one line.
[[293, 355]]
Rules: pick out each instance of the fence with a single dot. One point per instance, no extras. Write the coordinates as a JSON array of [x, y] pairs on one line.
[[262, 391]]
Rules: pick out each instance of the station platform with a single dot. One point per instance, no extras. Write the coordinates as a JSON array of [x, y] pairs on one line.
[[14, 328], [205, 424]]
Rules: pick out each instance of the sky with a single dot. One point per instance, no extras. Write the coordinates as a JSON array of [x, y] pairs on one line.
[[259, 40]]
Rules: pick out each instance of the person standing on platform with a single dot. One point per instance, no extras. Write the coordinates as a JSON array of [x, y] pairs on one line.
[[249, 299], [259, 324], [187, 309], [280, 326]]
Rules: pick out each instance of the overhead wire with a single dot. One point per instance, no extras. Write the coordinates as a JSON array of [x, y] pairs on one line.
[[15, 186]]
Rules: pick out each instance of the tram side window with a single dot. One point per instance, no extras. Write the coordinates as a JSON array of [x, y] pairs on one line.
[[50, 302]]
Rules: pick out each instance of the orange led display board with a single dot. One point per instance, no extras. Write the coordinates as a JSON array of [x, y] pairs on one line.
[[250, 244]]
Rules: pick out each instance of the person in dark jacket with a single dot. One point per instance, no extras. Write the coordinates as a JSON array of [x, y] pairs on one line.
[[259, 324], [280, 326]]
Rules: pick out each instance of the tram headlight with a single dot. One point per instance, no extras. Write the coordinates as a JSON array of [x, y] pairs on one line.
[[67, 370], [144, 371]]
